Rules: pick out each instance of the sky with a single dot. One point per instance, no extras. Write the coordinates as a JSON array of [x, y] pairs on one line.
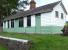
[[66, 6], [43, 2]]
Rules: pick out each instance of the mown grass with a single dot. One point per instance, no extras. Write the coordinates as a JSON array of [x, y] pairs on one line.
[[2, 47], [42, 41]]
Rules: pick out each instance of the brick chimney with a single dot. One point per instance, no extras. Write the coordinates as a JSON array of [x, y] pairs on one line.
[[32, 4]]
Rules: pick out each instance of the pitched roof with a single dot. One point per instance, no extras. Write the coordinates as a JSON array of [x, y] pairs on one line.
[[63, 8], [42, 9]]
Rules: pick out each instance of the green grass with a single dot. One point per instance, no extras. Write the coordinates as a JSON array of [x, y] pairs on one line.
[[2, 47], [43, 42]]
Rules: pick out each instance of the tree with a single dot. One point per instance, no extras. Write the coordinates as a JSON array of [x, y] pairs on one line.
[[6, 6], [23, 4]]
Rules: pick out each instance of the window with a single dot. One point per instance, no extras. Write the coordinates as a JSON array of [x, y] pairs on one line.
[[57, 15], [8, 23], [12, 23], [4, 22], [28, 21], [61, 15], [38, 14], [21, 22]]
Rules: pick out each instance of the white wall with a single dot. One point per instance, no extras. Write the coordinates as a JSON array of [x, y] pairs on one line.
[[10, 24], [33, 21], [6, 24], [46, 19], [50, 19], [16, 22], [58, 21], [25, 21]]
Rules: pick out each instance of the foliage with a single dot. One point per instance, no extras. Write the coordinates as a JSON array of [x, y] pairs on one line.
[[6, 6], [66, 24], [23, 3], [2, 47], [43, 41]]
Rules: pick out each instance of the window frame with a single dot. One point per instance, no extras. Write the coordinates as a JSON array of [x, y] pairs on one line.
[[57, 14], [12, 23], [39, 14], [8, 23], [21, 22], [62, 16], [29, 21]]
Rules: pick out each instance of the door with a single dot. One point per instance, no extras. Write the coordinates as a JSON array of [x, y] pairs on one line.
[[38, 23]]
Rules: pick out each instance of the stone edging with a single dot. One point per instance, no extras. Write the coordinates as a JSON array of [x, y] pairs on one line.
[[15, 44]]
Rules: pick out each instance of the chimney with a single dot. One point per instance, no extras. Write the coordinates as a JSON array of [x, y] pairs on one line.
[[32, 4]]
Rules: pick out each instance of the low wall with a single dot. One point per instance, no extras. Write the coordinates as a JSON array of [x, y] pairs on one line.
[[15, 44]]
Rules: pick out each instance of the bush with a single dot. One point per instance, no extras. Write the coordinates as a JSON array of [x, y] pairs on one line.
[[66, 24]]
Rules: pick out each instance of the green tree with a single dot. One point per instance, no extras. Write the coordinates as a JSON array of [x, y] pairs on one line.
[[6, 7]]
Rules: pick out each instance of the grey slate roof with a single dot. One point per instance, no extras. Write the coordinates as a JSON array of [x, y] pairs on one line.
[[42, 9]]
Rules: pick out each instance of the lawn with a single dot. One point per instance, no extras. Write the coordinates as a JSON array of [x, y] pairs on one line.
[[42, 41], [2, 47]]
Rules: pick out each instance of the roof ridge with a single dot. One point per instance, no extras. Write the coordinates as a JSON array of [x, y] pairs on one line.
[[51, 3], [46, 5], [41, 9]]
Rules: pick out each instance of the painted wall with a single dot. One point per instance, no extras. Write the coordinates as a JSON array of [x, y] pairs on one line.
[[20, 29], [58, 21], [48, 19], [51, 24], [33, 21], [47, 23]]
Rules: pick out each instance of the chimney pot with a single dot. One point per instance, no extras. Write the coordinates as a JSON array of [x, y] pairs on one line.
[[32, 4]]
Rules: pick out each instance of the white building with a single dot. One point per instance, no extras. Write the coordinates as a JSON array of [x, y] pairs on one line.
[[49, 18]]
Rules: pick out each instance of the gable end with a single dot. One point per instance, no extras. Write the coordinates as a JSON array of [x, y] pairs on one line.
[[61, 4]]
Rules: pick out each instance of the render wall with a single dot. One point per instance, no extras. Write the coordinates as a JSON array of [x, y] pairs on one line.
[[18, 29], [59, 21], [46, 23], [50, 19], [44, 28]]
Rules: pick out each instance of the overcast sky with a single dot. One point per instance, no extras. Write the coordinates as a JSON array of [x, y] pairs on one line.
[[66, 6], [43, 2]]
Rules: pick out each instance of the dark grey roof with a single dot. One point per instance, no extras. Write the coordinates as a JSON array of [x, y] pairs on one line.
[[42, 9], [63, 8]]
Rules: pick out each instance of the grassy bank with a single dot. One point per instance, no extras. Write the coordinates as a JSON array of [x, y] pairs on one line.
[[2, 47], [43, 42]]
